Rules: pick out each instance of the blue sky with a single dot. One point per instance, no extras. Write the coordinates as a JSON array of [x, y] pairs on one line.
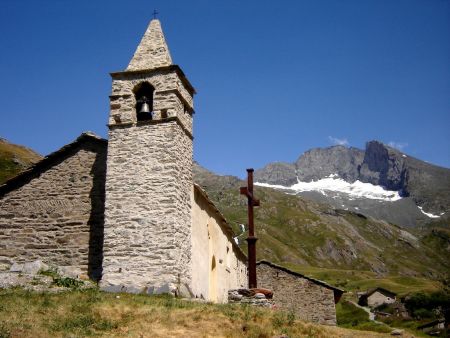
[[274, 78]]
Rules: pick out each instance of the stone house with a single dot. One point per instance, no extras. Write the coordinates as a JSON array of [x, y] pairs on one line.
[[375, 297], [310, 299], [125, 211]]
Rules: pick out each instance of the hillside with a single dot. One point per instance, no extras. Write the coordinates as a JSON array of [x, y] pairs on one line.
[[298, 233], [92, 313], [14, 159]]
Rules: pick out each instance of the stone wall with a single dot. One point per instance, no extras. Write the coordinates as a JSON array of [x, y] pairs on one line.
[[307, 299], [217, 262], [170, 96], [147, 245], [54, 212]]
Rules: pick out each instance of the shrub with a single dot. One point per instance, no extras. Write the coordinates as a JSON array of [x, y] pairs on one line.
[[422, 305], [67, 282]]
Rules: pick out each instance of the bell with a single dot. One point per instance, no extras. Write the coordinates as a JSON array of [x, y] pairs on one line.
[[145, 108]]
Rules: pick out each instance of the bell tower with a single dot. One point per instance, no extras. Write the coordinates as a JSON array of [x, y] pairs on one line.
[[147, 240]]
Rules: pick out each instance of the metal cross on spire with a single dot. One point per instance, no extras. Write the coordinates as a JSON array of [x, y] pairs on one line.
[[155, 13], [251, 239]]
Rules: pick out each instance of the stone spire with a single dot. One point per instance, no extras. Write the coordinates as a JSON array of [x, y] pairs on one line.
[[152, 52]]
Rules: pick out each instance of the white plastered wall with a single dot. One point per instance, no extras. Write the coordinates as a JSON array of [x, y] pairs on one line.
[[217, 264]]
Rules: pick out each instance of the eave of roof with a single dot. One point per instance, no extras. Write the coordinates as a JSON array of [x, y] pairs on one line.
[[319, 282], [430, 324], [174, 68], [371, 291], [20, 179]]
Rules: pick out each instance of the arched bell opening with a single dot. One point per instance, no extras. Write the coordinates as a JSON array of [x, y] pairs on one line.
[[143, 94]]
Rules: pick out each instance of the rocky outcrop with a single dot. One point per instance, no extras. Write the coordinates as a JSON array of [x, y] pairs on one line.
[[383, 166], [279, 173], [319, 163]]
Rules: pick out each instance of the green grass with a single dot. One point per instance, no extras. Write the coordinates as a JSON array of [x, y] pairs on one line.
[[91, 313], [350, 316], [356, 280]]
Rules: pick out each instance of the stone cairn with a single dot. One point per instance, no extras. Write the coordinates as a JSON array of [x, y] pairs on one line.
[[255, 297]]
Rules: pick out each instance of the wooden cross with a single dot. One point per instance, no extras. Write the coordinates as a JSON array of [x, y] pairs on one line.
[[155, 12], [251, 239]]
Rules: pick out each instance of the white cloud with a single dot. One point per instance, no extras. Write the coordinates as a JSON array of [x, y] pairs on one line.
[[398, 145], [338, 141]]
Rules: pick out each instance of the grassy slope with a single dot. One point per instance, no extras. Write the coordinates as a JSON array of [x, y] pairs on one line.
[[336, 246], [93, 313], [360, 280], [14, 159], [296, 232]]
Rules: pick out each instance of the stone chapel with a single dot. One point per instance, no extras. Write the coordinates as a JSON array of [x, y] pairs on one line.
[[125, 211]]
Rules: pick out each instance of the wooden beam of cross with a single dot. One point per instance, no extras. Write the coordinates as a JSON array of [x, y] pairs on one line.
[[251, 239]]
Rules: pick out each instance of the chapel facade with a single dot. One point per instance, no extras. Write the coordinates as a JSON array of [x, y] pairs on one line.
[[125, 211]]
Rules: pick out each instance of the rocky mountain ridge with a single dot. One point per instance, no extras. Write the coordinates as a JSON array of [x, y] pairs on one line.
[[424, 184]]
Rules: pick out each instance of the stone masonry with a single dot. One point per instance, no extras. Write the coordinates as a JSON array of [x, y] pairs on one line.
[[147, 245], [152, 51], [54, 211], [309, 299], [148, 207]]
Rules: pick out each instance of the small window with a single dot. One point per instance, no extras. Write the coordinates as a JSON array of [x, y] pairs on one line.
[[143, 94], [164, 113]]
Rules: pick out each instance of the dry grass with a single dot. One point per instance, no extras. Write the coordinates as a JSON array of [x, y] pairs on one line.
[[91, 313]]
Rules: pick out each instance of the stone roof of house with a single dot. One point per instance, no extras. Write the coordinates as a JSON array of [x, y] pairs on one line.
[[431, 324], [47, 162], [371, 291], [294, 273], [223, 222]]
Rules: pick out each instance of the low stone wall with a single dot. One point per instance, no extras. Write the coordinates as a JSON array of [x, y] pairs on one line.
[[249, 297]]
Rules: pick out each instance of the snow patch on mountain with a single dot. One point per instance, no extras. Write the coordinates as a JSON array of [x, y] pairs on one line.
[[333, 183], [429, 214]]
